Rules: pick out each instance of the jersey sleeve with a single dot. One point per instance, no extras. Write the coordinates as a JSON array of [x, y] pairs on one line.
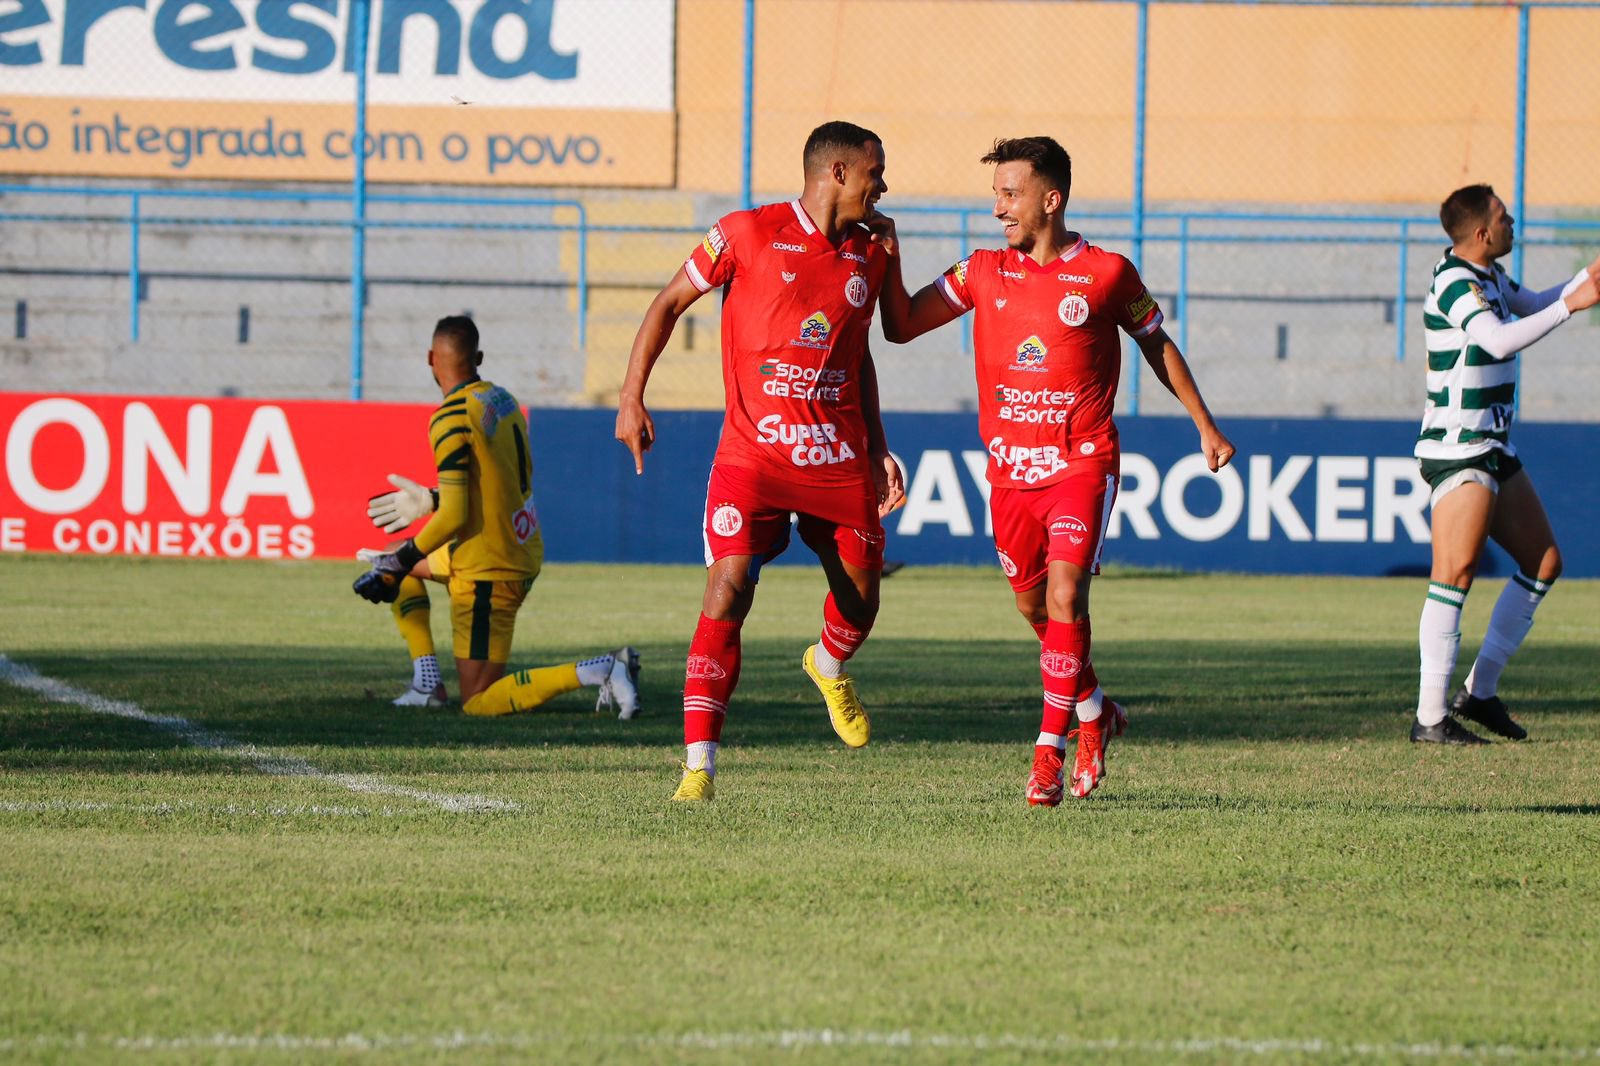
[[710, 265], [450, 433], [955, 286], [1137, 311], [1461, 300]]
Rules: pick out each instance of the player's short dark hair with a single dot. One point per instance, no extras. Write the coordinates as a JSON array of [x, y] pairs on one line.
[[1049, 160], [832, 137], [1464, 210], [462, 332]]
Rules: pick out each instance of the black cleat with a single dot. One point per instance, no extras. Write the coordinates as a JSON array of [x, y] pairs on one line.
[[1489, 712], [1448, 731]]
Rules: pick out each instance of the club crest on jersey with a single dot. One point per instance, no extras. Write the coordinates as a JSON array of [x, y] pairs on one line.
[[1031, 353], [704, 668], [814, 331], [1060, 664], [726, 520], [1073, 309], [714, 242], [1007, 567], [788, 276], [855, 290]]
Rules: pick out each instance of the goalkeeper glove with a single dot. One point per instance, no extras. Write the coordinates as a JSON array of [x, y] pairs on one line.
[[394, 511], [381, 584]]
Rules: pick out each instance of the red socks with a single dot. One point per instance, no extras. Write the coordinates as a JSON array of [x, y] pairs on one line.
[[710, 676], [1063, 656]]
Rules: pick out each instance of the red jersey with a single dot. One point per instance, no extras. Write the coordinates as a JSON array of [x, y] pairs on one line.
[[795, 314], [1048, 356]]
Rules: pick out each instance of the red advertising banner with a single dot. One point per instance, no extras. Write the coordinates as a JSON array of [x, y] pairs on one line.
[[201, 478]]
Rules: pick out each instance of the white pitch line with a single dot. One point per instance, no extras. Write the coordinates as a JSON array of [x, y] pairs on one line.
[[263, 759], [188, 807], [800, 1039]]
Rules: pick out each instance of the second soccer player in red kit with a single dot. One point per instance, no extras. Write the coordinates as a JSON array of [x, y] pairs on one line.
[[802, 434], [1048, 310]]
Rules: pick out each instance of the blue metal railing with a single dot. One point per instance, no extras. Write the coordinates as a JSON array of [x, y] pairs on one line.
[[1177, 228], [137, 219]]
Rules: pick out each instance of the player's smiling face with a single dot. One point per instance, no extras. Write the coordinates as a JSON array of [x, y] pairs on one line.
[[1021, 202], [863, 184]]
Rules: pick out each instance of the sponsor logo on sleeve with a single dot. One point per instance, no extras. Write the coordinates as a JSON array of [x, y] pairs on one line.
[[715, 243], [1142, 306], [855, 290], [1073, 309], [959, 272]]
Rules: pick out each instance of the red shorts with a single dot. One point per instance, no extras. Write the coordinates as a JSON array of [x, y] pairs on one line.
[[1066, 521], [747, 513]]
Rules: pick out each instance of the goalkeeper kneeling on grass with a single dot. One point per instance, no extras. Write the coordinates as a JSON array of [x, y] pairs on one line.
[[481, 540]]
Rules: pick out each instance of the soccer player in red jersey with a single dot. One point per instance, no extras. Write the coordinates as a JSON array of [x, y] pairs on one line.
[[1048, 356], [802, 433]]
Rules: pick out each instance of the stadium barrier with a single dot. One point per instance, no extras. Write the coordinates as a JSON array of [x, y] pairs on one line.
[[238, 478]]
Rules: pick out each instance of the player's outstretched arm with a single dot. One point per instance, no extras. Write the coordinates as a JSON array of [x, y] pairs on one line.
[[1576, 294], [1543, 312], [635, 428], [888, 480], [905, 317], [1172, 369]]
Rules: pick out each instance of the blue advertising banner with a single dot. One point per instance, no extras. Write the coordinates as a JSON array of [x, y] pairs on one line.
[[1301, 496]]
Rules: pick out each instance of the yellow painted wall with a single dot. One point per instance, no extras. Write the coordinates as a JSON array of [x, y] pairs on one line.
[[1246, 102]]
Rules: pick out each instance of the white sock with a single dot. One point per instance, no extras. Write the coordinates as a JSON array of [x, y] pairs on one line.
[[1090, 706], [1051, 740], [595, 671], [425, 673], [825, 663], [1508, 626], [1439, 638], [702, 755]]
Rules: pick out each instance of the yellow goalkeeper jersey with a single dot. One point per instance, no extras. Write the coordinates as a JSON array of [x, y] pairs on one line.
[[480, 440]]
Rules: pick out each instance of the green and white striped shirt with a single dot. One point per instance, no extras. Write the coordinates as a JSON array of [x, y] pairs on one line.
[[1471, 392]]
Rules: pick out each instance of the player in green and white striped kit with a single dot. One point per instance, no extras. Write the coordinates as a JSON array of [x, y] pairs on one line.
[[1477, 319]]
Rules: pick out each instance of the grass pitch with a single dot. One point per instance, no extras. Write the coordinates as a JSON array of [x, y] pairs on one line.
[[1270, 872]]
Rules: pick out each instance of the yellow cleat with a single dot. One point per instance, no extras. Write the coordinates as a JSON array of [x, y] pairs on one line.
[[849, 718], [696, 787]]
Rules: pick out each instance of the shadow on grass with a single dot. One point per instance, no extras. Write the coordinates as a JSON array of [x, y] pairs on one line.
[[923, 691]]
